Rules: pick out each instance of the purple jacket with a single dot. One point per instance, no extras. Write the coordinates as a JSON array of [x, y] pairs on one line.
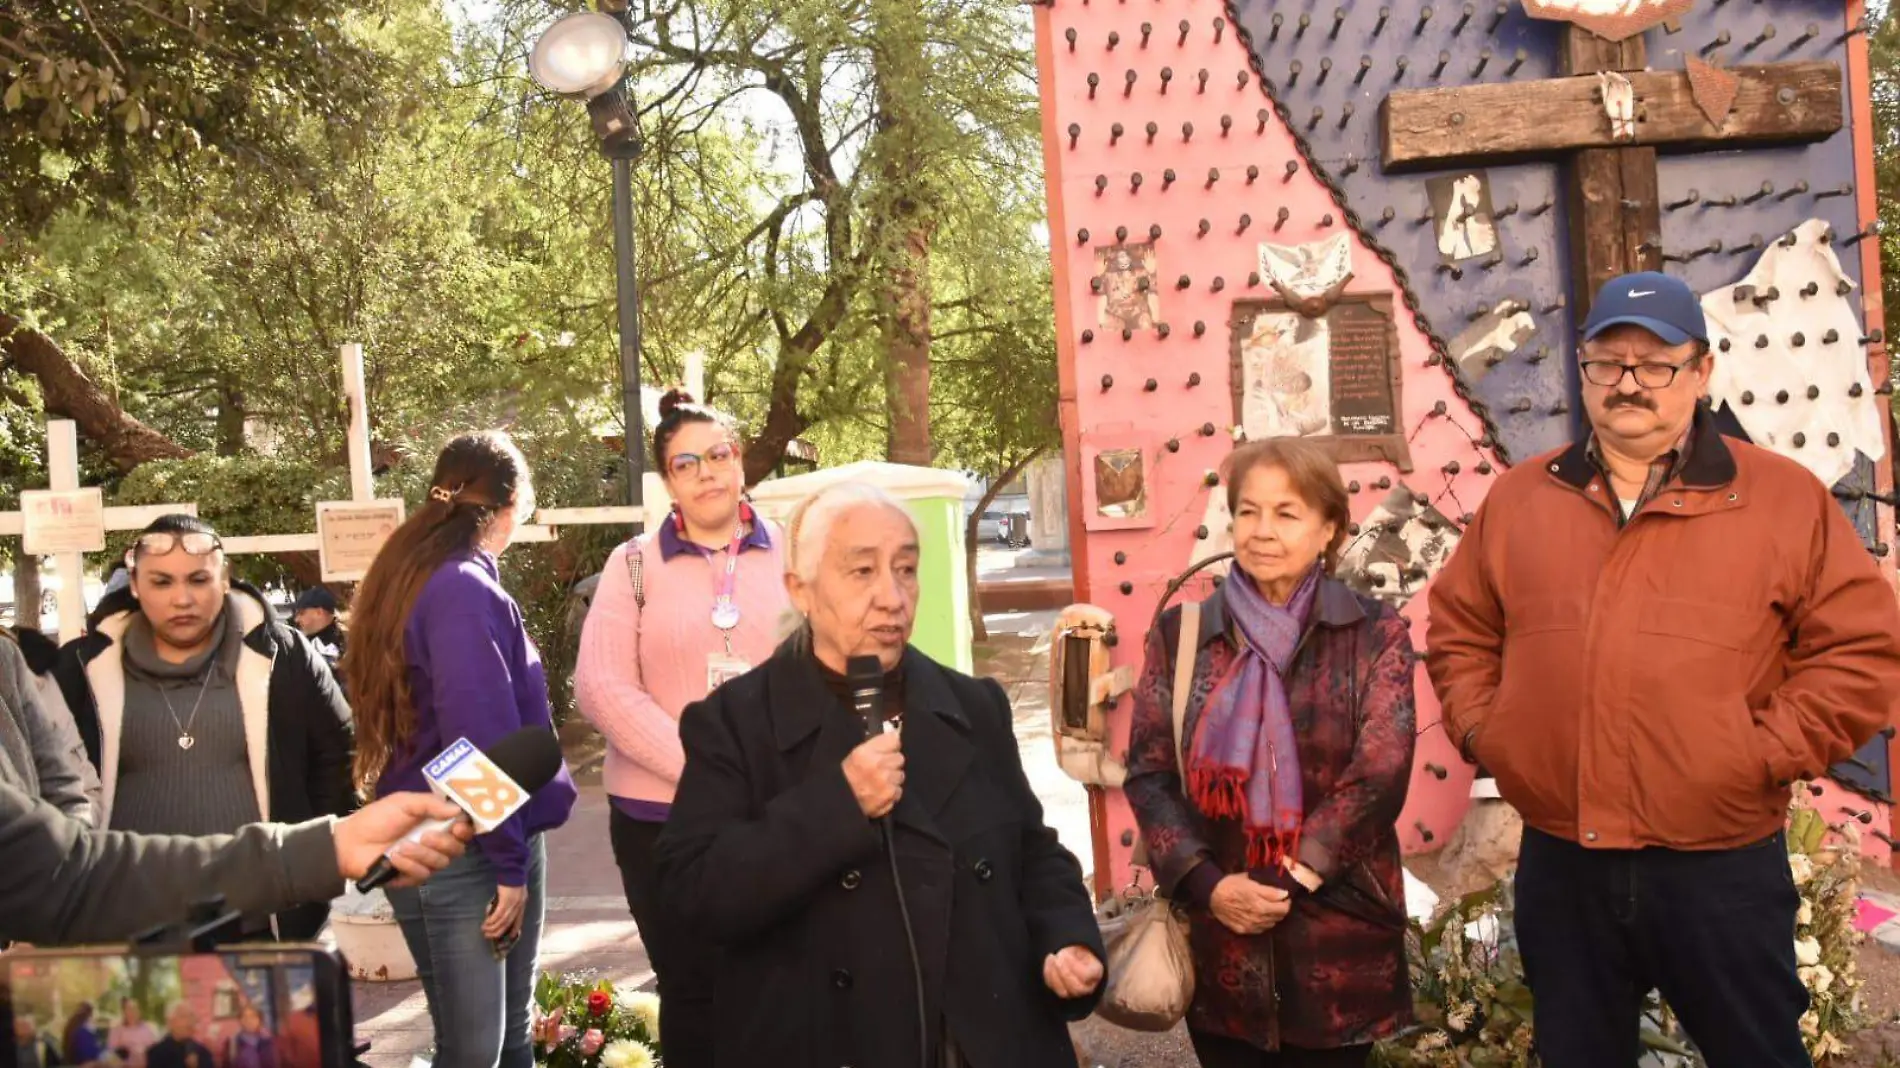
[[474, 673]]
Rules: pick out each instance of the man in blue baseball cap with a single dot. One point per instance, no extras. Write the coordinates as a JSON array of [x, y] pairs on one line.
[[1648, 637]]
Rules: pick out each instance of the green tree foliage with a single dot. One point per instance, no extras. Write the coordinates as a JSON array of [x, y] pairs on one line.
[[435, 206], [95, 94]]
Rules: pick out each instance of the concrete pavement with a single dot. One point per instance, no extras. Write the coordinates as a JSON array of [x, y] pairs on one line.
[[588, 928]]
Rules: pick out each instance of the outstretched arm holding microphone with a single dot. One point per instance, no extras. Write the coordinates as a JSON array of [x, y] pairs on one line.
[[66, 883]]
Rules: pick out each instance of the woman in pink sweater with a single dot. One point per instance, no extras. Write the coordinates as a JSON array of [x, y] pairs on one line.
[[694, 601]]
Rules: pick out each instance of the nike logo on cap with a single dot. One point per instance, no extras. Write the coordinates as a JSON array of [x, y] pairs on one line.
[[1642, 292]]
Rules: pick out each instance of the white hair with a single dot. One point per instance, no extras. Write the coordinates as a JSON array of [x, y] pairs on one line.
[[808, 533]]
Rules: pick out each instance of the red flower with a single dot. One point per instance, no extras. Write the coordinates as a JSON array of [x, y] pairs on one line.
[[599, 1003]]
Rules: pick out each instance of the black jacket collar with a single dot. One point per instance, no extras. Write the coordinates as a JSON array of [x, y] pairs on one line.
[[1334, 605], [936, 727], [801, 702], [1710, 465], [264, 638]]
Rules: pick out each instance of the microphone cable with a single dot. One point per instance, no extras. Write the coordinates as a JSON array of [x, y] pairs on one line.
[[867, 692], [910, 939]]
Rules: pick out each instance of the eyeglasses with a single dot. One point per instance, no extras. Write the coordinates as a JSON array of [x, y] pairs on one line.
[[717, 458], [1609, 373], [195, 542]]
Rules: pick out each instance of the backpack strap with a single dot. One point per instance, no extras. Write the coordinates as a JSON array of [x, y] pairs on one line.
[[636, 572]]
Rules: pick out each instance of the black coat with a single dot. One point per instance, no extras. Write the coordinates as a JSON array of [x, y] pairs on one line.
[[767, 854], [308, 737]]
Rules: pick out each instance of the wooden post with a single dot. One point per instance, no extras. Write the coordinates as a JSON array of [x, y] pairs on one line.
[[62, 469], [696, 375], [362, 482]]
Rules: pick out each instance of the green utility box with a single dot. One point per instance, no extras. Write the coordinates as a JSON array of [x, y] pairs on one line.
[[935, 501]]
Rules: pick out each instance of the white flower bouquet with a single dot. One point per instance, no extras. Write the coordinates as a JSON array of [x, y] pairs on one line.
[[581, 1022]]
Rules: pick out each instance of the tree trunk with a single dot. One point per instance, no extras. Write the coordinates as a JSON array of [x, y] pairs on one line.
[[231, 416], [26, 591], [907, 344], [971, 539], [899, 71], [71, 394]]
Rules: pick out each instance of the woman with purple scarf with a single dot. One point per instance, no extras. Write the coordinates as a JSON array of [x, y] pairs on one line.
[[1299, 731]]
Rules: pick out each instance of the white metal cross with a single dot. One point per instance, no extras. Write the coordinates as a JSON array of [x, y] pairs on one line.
[[62, 467]]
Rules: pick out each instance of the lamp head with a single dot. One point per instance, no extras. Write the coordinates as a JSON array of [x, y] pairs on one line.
[[582, 54]]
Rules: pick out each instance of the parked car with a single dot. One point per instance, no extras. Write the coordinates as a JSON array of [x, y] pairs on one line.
[[990, 526]]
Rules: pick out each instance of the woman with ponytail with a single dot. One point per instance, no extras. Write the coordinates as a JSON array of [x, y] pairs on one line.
[[438, 652], [693, 601]]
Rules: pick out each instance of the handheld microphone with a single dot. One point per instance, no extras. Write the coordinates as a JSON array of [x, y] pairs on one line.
[[489, 787], [866, 677]]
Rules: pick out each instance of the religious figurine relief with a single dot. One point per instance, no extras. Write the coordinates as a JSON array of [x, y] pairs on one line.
[[1400, 546], [1461, 210], [1619, 103], [1789, 362], [1308, 277], [1497, 335], [1129, 297]]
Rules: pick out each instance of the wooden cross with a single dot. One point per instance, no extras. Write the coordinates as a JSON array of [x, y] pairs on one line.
[[62, 468], [362, 487], [1610, 185]]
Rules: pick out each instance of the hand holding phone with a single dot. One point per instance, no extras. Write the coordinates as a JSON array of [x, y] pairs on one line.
[[505, 914]]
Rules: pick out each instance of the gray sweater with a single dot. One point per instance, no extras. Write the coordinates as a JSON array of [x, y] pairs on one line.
[[40, 751], [65, 883]]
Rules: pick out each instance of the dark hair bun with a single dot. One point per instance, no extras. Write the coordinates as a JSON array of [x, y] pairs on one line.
[[674, 400]]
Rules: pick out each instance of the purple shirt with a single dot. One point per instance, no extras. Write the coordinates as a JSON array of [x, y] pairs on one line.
[[673, 542], [474, 673]]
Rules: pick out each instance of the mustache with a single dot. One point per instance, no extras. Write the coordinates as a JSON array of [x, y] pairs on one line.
[[1621, 400]]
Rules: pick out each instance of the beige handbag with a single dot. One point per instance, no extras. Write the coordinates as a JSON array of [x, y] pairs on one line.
[[1150, 967]]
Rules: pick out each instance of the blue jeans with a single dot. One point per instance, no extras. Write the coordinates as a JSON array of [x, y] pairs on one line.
[[478, 1005]]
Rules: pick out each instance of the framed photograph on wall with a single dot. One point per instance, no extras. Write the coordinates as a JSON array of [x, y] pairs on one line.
[[1334, 378]]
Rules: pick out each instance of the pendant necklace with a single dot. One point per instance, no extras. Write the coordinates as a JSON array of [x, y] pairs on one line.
[[185, 739]]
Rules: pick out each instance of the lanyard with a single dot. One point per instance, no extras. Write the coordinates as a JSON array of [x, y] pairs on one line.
[[725, 610]]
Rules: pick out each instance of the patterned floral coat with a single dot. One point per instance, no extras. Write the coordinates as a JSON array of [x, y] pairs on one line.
[[1332, 973]]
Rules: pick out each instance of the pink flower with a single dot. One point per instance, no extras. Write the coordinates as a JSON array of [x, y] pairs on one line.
[[599, 1003], [567, 1032], [591, 1042]]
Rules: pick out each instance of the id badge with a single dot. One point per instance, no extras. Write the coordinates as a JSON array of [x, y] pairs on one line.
[[722, 668]]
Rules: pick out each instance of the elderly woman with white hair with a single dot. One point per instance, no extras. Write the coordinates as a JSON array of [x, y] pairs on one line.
[[778, 846]]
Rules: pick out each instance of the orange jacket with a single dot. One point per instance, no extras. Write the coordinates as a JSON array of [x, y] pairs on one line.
[[1662, 685]]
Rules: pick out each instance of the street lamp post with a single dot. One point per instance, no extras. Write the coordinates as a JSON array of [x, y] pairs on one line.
[[584, 56]]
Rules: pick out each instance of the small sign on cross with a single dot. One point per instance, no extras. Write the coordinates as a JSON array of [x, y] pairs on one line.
[[68, 534]]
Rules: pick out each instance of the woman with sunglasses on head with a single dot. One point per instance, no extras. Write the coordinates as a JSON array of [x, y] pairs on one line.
[[201, 710], [438, 652], [694, 601]]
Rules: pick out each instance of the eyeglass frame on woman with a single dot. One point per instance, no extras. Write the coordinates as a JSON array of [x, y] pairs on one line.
[[693, 461], [1633, 371], [172, 539]]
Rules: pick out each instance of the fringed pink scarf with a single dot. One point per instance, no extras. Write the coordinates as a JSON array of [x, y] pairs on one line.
[[1245, 761]]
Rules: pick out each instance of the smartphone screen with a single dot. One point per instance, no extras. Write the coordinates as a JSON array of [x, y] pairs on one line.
[[268, 1007]]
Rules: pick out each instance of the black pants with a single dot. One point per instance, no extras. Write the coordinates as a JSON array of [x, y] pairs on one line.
[[1714, 932], [684, 967], [1219, 1051]]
